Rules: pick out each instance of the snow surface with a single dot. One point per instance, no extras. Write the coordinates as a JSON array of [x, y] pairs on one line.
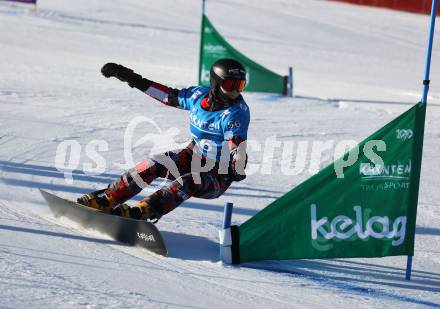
[[356, 68]]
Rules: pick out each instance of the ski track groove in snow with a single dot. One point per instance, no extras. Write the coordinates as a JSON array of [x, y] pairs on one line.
[[233, 293], [245, 296], [61, 286]]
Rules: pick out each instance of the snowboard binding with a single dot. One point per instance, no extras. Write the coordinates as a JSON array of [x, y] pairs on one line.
[[98, 200], [141, 211]]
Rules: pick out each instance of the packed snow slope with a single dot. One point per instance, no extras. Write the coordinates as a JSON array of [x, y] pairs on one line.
[[356, 68]]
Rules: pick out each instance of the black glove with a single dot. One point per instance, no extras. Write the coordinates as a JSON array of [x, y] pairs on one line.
[[126, 75], [235, 176], [116, 70], [236, 172], [237, 160]]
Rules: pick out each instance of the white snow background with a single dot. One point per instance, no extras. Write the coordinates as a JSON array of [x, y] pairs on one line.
[[356, 68]]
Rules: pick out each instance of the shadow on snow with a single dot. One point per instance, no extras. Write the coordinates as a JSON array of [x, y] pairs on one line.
[[352, 276]]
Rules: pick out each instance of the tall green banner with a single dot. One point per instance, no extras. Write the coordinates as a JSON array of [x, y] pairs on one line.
[[362, 205], [214, 47]]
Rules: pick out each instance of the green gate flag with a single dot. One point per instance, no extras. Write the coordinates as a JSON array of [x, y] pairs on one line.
[[362, 205], [214, 47]]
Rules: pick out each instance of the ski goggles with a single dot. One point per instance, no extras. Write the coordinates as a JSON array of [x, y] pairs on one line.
[[234, 84]]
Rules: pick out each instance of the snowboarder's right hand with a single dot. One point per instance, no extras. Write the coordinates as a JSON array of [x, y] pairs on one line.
[[116, 70]]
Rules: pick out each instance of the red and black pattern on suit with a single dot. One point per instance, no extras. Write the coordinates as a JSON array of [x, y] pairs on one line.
[[210, 185]]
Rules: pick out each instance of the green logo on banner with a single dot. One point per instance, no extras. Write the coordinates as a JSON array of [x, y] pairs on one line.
[[343, 227], [362, 205]]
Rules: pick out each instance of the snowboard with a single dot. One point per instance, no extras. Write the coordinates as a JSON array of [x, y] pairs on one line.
[[130, 231]]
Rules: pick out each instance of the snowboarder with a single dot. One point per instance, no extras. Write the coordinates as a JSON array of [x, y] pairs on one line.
[[219, 120]]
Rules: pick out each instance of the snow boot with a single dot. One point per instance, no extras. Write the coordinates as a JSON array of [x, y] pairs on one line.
[[140, 211], [99, 200]]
